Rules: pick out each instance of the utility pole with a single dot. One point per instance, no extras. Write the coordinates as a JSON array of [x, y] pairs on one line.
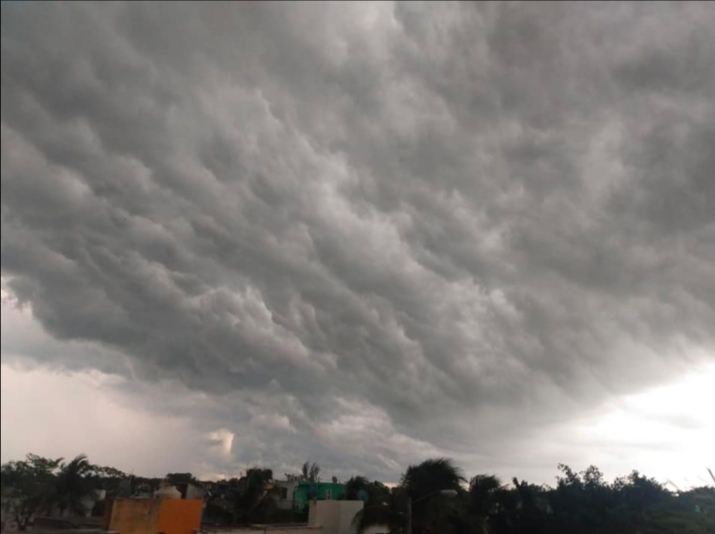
[[409, 515]]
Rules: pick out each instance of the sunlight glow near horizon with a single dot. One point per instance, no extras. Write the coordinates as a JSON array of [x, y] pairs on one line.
[[671, 427]]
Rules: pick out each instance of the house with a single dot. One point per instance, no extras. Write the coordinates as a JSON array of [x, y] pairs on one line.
[[285, 490], [190, 491], [306, 491]]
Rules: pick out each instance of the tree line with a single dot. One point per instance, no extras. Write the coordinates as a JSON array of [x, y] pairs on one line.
[[579, 503], [441, 498], [36, 485]]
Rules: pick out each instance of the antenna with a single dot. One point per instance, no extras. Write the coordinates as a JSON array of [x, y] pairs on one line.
[[673, 484]]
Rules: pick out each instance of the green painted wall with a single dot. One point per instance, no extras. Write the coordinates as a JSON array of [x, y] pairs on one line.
[[321, 491]]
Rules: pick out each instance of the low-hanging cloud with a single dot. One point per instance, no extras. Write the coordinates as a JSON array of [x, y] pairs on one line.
[[374, 231]]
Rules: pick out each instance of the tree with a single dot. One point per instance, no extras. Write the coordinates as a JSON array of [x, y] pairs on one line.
[[310, 472], [432, 475], [482, 501], [28, 487], [524, 508], [421, 483], [247, 497], [180, 478], [358, 487], [107, 478], [390, 512], [74, 484]]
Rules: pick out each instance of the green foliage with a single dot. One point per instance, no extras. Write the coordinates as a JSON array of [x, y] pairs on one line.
[[430, 476], [580, 503], [35, 485], [584, 503], [432, 512], [73, 484], [107, 478], [310, 472], [248, 499], [28, 487], [377, 492], [180, 478]]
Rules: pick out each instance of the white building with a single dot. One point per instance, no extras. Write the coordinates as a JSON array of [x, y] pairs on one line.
[[284, 499]]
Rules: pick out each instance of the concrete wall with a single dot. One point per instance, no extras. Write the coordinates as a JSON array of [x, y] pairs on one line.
[[194, 492], [336, 517], [289, 485], [190, 491], [292, 530], [133, 516], [179, 516], [149, 516], [268, 529]]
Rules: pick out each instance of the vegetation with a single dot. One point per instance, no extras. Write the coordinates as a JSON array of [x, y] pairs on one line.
[[73, 484], [250, 496], [27, 487], [310, 472], [36, 485], [360, 488], [579, 503]]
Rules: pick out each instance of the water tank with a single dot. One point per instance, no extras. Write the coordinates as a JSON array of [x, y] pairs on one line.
[[167, 492]]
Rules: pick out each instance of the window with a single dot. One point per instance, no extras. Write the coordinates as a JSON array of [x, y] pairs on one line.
[[283, 493]]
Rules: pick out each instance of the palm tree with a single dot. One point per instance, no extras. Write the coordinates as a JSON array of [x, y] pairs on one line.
[[432, 475], [310, 472], [74, 485], [436, 513], [354, 486], [358, 487], [421, 482], [482, 501]]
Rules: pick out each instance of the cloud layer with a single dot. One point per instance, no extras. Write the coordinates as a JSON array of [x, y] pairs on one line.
[[367, 232]]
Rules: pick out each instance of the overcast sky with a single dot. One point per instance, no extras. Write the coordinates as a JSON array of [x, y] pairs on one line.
[[361, 235]]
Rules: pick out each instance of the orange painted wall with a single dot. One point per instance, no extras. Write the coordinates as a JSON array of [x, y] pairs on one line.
[[151, 516], [134, 516], [178, 516]]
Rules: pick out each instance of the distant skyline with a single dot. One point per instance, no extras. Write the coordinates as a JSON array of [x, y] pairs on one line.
[[360, 234]]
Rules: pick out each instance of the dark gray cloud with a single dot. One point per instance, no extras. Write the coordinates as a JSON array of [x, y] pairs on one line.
[[371, 231]]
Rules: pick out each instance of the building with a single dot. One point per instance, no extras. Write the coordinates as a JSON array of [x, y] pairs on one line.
[[324, 517], [149, 516], [190, 491], [306, 491], [285, 490]]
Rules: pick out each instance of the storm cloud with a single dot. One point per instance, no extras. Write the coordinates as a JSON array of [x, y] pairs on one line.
[[362, 233]]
